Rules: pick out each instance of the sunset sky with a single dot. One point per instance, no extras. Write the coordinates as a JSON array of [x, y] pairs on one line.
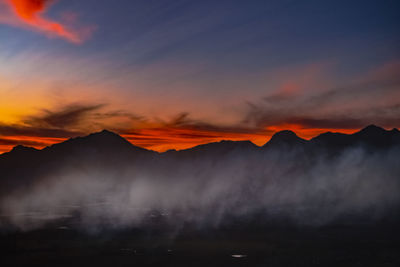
[[175, 74]]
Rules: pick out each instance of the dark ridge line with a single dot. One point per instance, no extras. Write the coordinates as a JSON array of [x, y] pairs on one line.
[[372, 129]]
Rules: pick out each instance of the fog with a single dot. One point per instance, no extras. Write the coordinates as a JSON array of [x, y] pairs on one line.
[[210, 190]]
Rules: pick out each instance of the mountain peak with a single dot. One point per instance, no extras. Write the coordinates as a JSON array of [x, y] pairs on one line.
[[19, 151], [106, 136], [285, 133], [101, 138], [105, 133], [377, 137], [223, 145], [22, 148], [285, 137], [372, 129], [104, 140]]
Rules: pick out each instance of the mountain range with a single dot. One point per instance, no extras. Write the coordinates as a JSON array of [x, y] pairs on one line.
[[321, 179], [107, 148], [107, 142]]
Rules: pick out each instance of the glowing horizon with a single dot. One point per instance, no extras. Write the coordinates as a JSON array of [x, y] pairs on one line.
[[162, 140]]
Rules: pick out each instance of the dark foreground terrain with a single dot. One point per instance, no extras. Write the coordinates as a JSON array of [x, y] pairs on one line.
[[231, 246]]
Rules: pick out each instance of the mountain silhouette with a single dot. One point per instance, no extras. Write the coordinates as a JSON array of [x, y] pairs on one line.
[[108, 143], [109, 150], [100, 142], [101, 150], [285, 139], [290, 164], [214, 150], [372, 137], [95, 143], [20, 152]]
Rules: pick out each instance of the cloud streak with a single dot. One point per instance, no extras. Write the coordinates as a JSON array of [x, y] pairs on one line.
[[53, 126], [31, 14], [373, 99], [68, 116]]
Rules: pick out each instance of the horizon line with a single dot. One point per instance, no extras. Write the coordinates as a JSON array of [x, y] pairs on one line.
[[352, 131]]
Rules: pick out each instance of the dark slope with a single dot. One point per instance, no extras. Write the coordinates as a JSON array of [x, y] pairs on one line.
[[284, 140], [111, 144], [22, 166], [372, 138], [104, 142], [213, 151], [19, 152], [108, 150]]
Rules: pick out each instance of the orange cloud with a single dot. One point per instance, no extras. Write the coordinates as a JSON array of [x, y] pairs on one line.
[[31, 13]]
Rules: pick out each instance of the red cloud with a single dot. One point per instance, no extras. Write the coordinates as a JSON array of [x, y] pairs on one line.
[[31, 13]]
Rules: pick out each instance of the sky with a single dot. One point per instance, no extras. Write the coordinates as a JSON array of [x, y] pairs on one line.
[[175, 74]]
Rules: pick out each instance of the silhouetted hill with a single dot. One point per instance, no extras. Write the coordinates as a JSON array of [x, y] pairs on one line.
[[107, 142], [284, 139], [109, 147], [378, 137], [23, 149], [104, 144], [100, 142], [102, 150], [286, 156], [216, 150], [223, 146], [19, 152], [371, 137]]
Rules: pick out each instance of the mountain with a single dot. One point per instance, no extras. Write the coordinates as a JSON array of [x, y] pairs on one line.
[[284, 139], [371, 137], [100, 142], [216, 150], [19, 152], [377, 137], [108, 145], [104, 143], [111, 145], [313, 180], [101, 150]]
